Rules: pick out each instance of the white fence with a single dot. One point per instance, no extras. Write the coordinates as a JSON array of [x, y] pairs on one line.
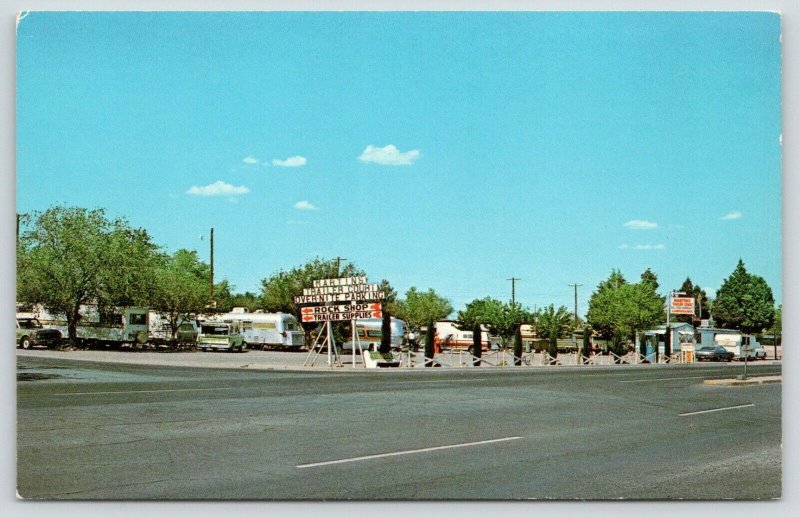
[[505, 358]]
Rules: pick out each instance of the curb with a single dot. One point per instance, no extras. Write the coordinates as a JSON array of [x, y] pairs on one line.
[[743, 382]]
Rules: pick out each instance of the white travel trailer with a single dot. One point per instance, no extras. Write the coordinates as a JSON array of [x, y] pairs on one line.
[[116, 326], [739, 344], [368, 332], [448, 336], [267, 329], [160, 329]]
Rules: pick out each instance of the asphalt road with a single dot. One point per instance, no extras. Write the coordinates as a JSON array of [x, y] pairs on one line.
[[112, 431]]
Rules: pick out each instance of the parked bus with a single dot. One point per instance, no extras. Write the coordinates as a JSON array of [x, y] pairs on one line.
[[267, 329]]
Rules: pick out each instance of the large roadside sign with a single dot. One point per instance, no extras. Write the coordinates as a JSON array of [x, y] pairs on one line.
[[683, 305], [354, 289], [341, 312], [342, 289], [336, 282], [340, 297]]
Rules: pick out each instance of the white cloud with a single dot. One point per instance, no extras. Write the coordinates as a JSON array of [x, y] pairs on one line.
[[638, 224], [292, 161], [649, 247], [251, 160], [304, 205], [623, 246], [389, 155], [731, 216], [218, 188]]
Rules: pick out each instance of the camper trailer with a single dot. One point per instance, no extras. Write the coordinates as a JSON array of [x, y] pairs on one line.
[[448, 336], [160, 329], [368, 332], [112, 327], [267, 329], [740, 345]]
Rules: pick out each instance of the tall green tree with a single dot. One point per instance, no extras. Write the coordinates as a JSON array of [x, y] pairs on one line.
[[72, 256], [586, 348], [745, 302], [225, 298], [181, 288], [500, 319], [430, 336], [621, 308], [518, 347], [420, 307], [386, 333], [279, 290], [702, 305], [248, 300], [477, 345], [650, 278], [551, 324]]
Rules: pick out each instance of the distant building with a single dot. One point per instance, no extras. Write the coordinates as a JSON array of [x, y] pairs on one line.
[[655, 339]]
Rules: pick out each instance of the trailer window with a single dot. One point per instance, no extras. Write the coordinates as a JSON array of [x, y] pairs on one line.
[[111, 318], [374, 333], [29, 324], [214, 330], [137, 319], [290, 326]]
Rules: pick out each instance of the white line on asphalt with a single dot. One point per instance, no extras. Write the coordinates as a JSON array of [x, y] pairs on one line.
[[717, 409], [136, 391], [413, 451], [441, 380], [664, 379]]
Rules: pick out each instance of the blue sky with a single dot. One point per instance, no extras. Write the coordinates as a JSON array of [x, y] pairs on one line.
[[443, 150]]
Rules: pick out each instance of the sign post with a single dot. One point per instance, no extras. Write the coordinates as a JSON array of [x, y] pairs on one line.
[[360, 298]]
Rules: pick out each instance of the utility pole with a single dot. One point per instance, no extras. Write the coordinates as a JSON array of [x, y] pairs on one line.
[[513, 290], [576, 286], [338, 262], [212, 265]]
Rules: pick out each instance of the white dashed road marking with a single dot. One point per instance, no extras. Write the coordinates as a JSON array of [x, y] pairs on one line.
[[717, 409], [413, 451]]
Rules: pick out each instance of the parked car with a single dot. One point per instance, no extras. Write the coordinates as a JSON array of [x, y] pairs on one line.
[[758, 353], [713, 353], [30, 333]]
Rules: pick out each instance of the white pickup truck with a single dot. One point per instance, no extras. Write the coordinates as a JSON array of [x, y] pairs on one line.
[[218, 335]]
